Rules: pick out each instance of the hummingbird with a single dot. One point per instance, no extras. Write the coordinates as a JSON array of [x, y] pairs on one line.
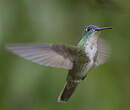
[[90, 52]]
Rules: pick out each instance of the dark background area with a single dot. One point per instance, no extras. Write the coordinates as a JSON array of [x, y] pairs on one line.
[[28, 86]]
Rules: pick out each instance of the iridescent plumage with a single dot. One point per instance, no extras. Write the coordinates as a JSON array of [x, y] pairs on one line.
[[90, 52]]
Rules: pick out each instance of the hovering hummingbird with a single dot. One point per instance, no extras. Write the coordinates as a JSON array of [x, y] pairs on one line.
[[90, 52]]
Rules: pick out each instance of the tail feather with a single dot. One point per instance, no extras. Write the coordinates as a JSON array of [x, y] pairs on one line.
[[68, 90]]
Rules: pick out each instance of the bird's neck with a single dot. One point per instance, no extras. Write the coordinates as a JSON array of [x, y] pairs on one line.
[[83, 40], [88, 37]]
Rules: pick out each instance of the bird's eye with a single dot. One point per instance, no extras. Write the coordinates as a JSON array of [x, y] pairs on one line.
[[88, 29]]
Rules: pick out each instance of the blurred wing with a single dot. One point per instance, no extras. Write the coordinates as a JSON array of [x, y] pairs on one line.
[[103, 52], [44, 54]]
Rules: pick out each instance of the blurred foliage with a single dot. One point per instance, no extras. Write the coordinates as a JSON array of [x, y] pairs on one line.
[[28, 86]]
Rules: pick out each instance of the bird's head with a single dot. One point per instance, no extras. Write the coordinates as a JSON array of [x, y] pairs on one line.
[[91, 29]]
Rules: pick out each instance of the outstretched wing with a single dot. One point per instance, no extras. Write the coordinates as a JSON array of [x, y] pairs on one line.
[[46, 54], [103, 52]]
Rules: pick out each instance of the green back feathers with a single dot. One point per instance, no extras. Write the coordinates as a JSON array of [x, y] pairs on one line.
[[85, 37]]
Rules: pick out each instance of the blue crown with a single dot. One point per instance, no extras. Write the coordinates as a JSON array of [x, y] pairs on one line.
[[91, 27]]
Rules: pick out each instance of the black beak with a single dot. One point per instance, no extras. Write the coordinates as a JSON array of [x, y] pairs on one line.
[[102, 28]]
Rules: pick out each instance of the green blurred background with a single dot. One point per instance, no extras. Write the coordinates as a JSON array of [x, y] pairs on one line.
[[28, 86]]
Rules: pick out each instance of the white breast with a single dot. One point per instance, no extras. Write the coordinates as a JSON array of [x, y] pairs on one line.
[[90, 50]]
